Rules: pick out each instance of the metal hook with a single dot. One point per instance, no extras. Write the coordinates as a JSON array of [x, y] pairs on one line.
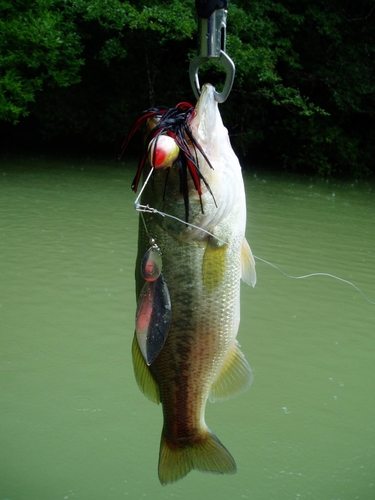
[[212, 35], [229, 67]]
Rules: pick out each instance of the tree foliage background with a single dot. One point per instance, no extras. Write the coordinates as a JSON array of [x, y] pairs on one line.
[[80, 71]]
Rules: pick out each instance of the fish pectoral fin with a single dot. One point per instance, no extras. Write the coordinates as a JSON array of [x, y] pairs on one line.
[[234, 378], [143, 375], [213, 266], [248, 273], [203, 452]]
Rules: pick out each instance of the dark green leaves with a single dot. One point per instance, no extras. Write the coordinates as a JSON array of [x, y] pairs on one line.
[[303, 96]]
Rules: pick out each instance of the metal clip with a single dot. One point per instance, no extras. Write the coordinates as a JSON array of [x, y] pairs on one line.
[[212, 37]]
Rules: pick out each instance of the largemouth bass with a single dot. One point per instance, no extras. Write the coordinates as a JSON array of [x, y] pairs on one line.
[[194, 305]]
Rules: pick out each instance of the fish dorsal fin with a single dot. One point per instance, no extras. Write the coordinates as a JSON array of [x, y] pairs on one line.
[[234, 378], [213, 266], [248, 273], [143, 375]]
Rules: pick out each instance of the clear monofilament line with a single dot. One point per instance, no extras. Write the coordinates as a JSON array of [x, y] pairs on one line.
[[144, 224], [147, 209], [136, 204], [310, 275], [191, 225]]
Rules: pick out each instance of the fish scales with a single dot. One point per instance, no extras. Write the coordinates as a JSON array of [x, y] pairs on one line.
[[203, 274]]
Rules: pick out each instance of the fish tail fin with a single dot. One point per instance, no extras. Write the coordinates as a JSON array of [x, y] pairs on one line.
[[204, 453]]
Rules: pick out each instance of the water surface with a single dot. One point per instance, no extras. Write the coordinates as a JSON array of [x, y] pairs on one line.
[[73, 422]]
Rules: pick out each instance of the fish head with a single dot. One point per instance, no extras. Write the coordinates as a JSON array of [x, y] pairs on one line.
[[223, 172], [207, 125], [203, 183]]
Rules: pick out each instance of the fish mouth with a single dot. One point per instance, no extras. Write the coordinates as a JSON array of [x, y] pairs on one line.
[[205, 109]]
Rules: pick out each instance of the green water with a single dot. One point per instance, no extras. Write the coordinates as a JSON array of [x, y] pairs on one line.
[[73, 422]]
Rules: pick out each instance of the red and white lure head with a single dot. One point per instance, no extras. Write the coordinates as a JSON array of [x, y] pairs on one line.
[[163, 151]]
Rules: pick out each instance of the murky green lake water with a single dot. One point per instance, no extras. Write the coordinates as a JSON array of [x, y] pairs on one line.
[[73, 422]]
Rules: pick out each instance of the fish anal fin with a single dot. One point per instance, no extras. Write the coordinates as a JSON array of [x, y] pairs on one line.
[[213, 266], [204, 453], [234, 378], [248, 273], [143, 375]]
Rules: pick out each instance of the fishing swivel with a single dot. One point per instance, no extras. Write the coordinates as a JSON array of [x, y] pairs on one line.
[[212, 17]]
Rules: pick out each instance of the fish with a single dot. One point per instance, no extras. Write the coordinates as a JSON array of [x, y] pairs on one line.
[[192, 232]]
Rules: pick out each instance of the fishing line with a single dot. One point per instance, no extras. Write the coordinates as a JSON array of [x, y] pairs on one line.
[[144, 224], [151, 210], [315, 274], [136, 204], [148, 209]]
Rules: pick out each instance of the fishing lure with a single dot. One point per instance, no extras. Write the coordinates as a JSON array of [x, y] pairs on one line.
[[172, 123]]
